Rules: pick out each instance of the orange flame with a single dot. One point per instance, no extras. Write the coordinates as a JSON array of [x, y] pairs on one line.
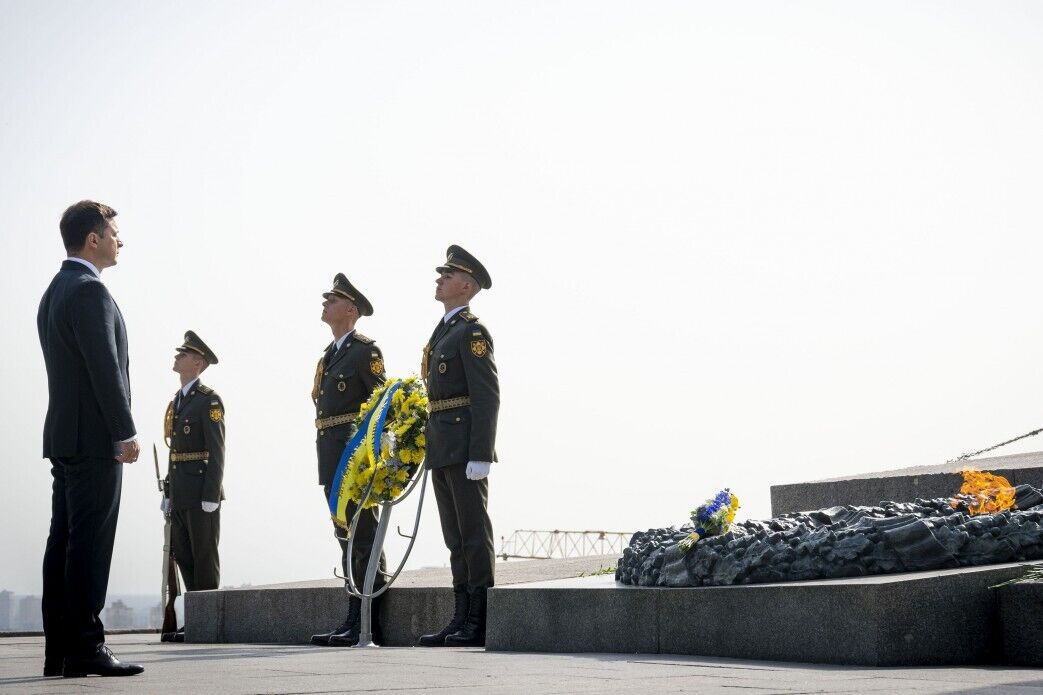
[[992, 493]]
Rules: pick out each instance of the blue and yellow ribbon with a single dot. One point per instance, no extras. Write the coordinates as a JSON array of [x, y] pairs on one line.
[[368, 438]]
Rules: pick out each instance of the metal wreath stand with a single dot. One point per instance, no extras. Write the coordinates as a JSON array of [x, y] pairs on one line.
[[367, 594]]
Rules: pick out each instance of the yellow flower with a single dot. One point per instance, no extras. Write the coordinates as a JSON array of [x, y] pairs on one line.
[[420, 441], [395, 492]]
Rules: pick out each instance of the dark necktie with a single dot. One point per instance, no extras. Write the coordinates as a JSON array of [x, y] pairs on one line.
[[329, 355], [177, 400]]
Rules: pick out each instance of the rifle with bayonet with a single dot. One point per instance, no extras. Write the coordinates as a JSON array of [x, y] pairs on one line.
[[170, 586]]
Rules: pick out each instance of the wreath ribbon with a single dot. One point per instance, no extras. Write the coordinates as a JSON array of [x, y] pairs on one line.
[[368, 436]]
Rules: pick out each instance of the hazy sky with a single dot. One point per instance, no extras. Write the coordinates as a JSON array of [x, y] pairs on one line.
[[732, 244]]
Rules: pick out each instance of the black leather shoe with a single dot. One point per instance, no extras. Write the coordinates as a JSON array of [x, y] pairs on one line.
[[437, 639], [350, 623], [53, 666], [323, 638], [348, 638], [102, 663], [472, 632], [179, 636], [167, 637]]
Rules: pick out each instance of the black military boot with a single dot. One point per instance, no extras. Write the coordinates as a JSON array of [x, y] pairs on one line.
[[472, 632], [350, 636], [459, 616], [323, 639]]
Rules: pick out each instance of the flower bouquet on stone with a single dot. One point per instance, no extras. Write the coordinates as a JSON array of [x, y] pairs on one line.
[[711, 518]]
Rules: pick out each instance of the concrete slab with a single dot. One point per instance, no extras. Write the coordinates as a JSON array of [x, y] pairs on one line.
[[1021, 616], [235, 669], [902, 485], [420, 601], [938, 617]]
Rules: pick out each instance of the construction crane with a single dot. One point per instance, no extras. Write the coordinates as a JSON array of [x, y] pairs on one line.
[[545, 545]]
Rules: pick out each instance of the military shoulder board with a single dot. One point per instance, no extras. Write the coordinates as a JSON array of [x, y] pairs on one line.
[[468, 316], [363, 338], [205, 390]]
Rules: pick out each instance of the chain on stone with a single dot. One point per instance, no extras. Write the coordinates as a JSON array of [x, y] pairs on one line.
[[964, 457]]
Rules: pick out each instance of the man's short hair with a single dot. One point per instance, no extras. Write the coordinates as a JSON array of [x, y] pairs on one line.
[[82, 218]]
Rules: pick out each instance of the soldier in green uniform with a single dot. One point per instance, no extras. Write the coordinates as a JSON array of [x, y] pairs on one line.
[[351, 367], [464, 393], [195, 430]]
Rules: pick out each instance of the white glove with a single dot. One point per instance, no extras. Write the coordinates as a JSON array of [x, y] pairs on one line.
[[164, 505], [210, 506], [476, 470]]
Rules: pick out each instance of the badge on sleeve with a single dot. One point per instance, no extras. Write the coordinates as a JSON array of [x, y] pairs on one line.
[[376, 366], [216, 414], [479, 347]]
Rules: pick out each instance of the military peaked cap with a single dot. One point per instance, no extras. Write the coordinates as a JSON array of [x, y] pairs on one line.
[[456, 258], [194, 344], [343, 288]]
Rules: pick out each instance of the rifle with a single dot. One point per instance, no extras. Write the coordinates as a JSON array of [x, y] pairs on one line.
[[170, 587]]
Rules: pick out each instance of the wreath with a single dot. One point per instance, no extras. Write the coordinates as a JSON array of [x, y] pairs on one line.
[[386, 450]]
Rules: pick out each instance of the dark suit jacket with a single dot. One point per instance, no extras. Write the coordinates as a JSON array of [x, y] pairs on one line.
[[84, 343], [342, 387], [460, 363], [199, 425]]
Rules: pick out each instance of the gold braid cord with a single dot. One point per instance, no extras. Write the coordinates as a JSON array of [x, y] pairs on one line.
[[168, 423], [315, 383]]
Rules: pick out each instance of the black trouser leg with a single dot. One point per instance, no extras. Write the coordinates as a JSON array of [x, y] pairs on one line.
[[181, 547], [53, 603], [204, 532], [362, 547], [466, 527], [84, 507]]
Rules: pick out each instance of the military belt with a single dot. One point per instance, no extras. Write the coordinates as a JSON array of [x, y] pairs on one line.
[[189, 456], [334, 420], [435, 406]]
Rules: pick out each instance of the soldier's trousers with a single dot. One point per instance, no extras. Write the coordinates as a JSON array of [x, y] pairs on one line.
[[361, 547], [466, 528], [194, 535]]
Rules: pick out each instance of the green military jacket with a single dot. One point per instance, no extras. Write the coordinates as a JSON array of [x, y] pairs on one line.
[[458, 363], [196, 432], [338, 391]]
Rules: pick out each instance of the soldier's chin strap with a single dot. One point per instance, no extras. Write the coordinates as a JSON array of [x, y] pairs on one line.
[[964, 457]]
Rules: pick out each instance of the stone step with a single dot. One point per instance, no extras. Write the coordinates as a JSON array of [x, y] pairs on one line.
[[921, 618], [420, 601], [901, 485]]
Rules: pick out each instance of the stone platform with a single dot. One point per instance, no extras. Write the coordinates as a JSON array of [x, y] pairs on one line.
[[420, 601], [905, 484], [943, 617]]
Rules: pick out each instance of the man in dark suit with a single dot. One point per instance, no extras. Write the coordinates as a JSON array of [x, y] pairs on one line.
[[88, 435], [350, 368], [464, 389], [194, 426]]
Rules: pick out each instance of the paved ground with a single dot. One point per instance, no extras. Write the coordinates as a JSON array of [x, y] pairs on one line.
[[242, 669]]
